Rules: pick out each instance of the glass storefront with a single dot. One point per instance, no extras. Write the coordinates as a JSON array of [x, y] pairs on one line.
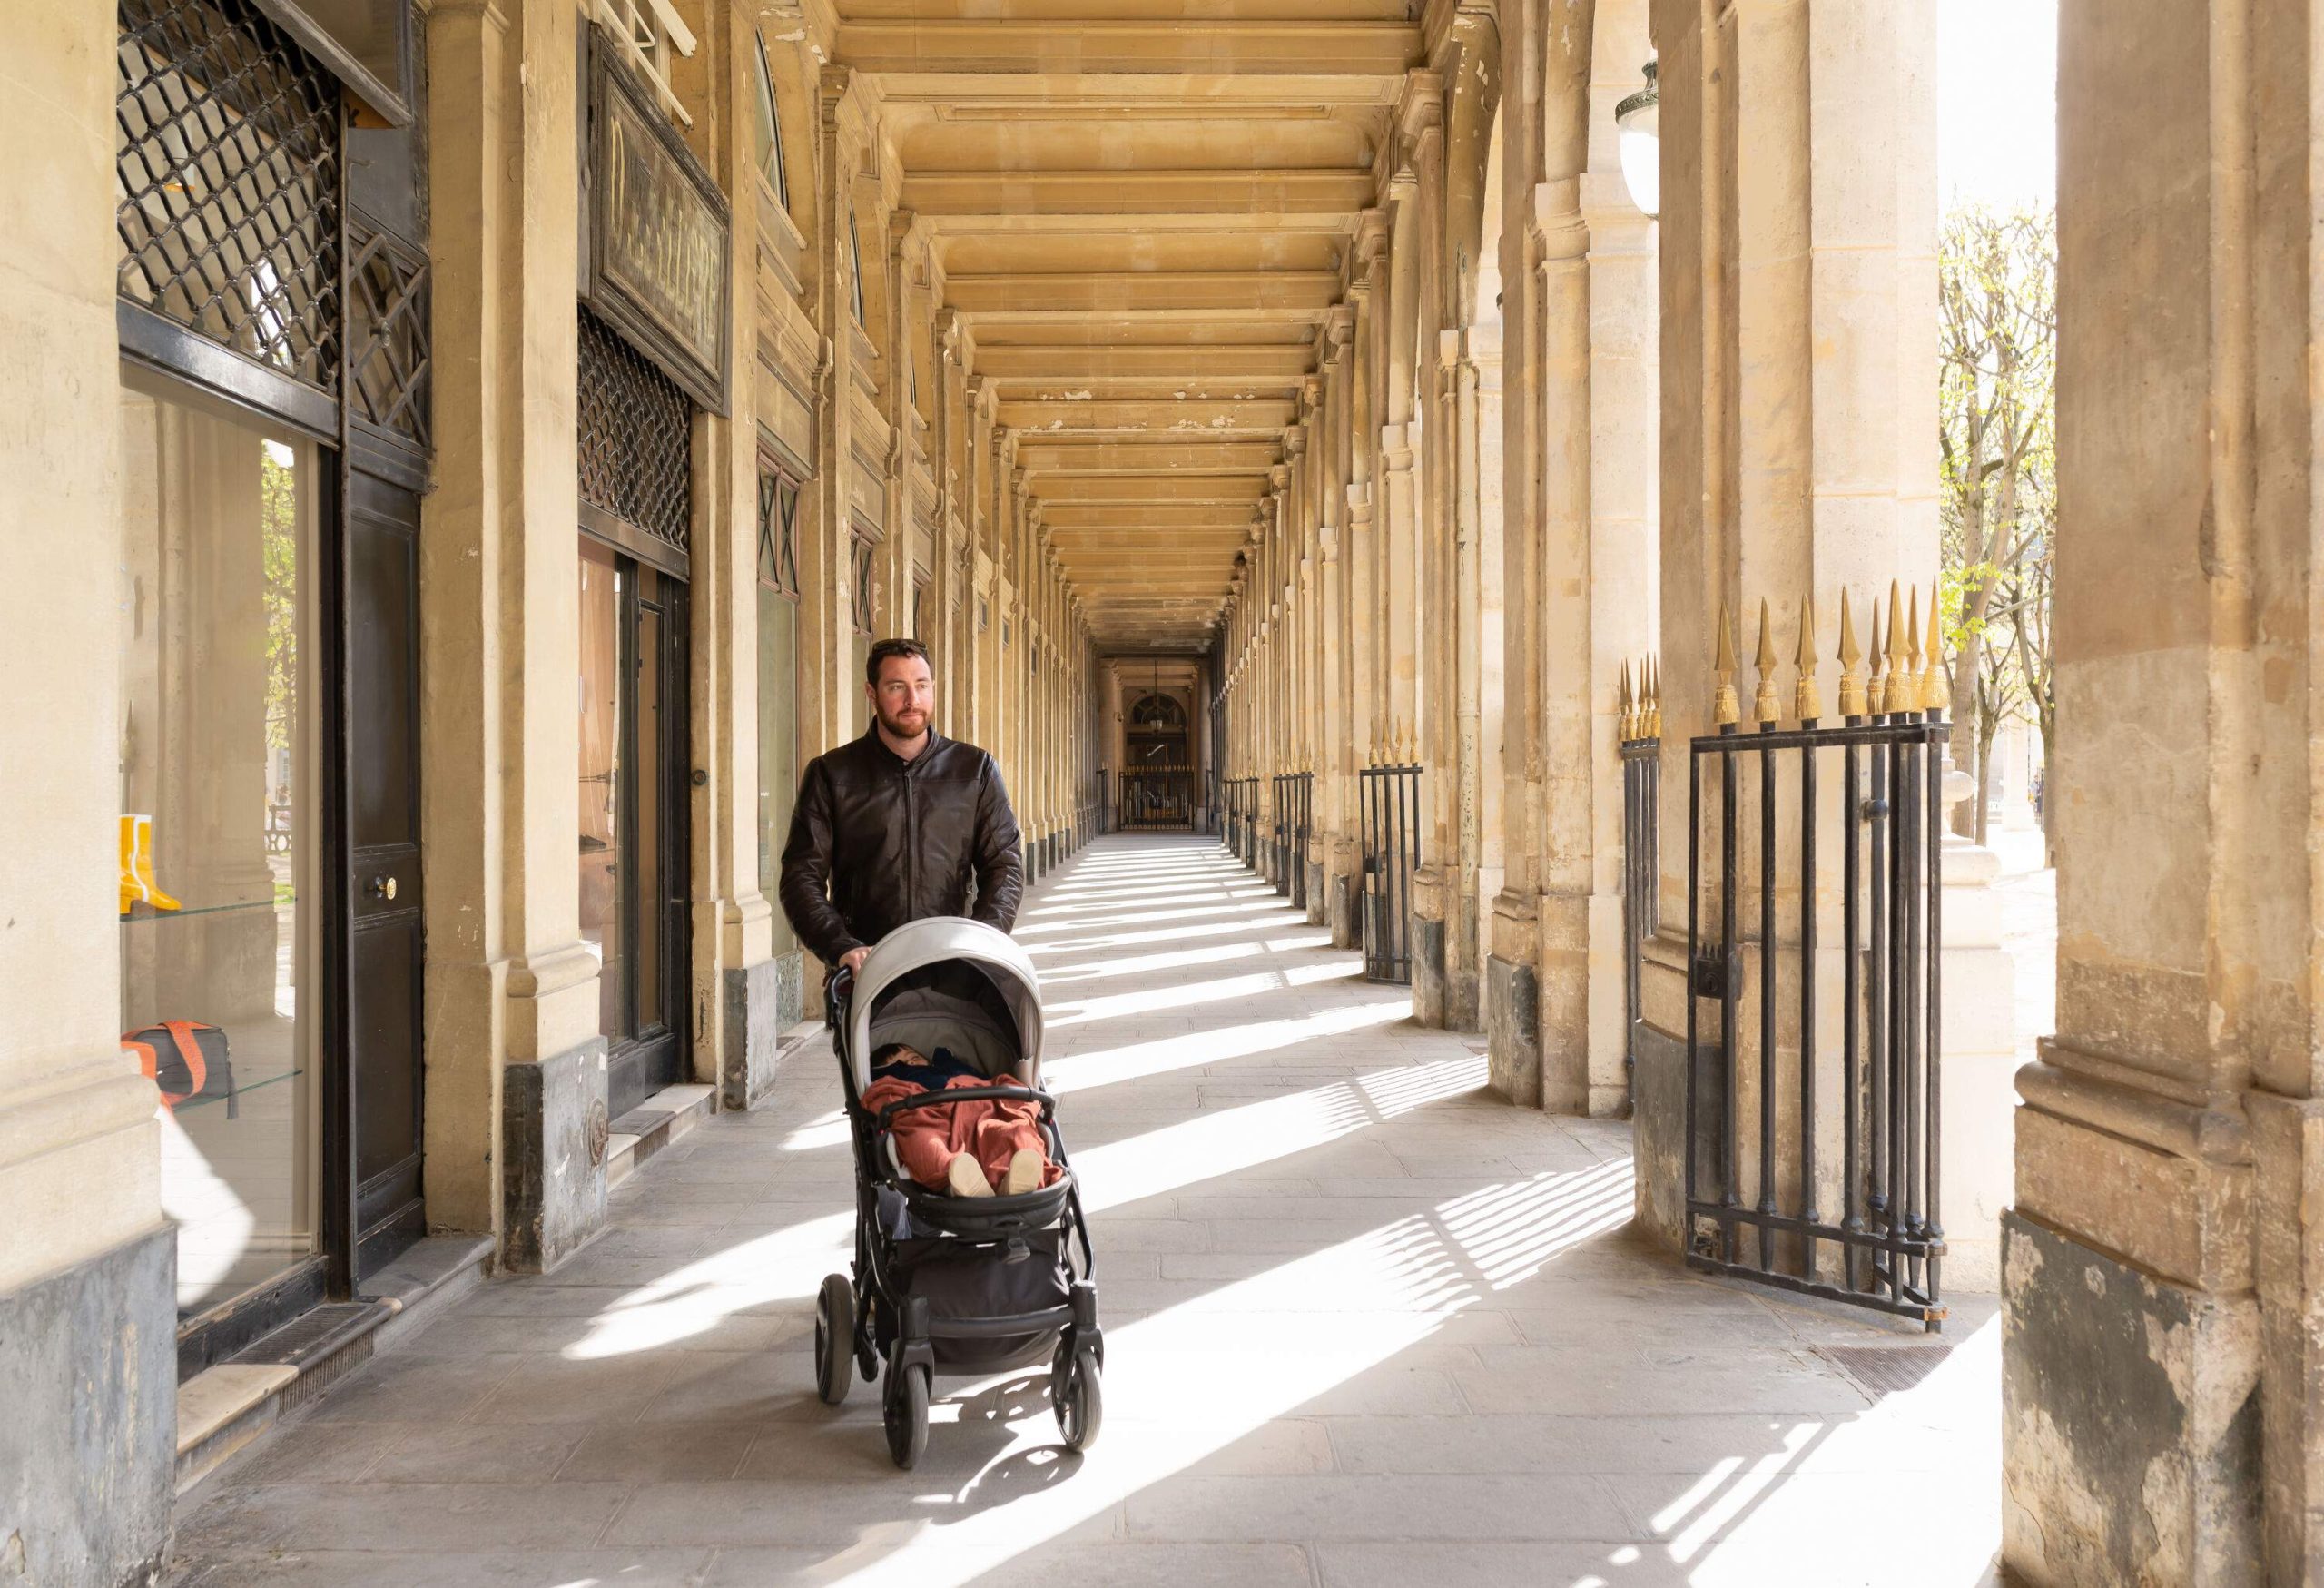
[[218, 756], [602, 917]]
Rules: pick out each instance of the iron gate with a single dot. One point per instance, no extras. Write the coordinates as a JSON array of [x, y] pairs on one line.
[[1243, 819], [1157, 799], [1390, 811], [1641, 754], [1293, 809], [1883, 1246]]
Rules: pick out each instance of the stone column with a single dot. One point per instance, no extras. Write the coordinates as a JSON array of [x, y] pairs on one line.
[[734, 970], [2163, 1278], [516, 1104], [87, 1272]]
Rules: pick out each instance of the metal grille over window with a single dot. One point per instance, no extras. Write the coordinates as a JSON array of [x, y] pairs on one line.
[[866, 600], [229, 176], [637, 431], [778, 532], [387, 331]]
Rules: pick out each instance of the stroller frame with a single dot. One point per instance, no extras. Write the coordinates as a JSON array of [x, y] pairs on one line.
[[869, 1322]]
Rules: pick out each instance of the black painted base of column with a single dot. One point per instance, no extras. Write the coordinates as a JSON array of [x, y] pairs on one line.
[[2130, 1418], [89, 1432], [553, 1132], [1512, 1020], [763, 1001], [1428, 972]]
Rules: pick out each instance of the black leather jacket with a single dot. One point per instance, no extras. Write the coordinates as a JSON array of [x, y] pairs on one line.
[[876, 840]]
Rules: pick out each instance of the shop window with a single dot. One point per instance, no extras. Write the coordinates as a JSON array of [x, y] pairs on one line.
[[218, 753], [770, 133], [778, 602]]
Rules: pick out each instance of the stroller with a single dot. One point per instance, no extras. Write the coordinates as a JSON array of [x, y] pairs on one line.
[[944, 1283]]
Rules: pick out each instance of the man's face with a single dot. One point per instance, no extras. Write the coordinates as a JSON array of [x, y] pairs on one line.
[[904, 696]]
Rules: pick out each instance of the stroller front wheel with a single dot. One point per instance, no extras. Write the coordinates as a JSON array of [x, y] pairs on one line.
[[1080, 1398], [905, 1413], [835, 1338]]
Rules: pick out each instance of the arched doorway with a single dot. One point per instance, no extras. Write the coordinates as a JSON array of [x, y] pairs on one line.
[[1158, 765]]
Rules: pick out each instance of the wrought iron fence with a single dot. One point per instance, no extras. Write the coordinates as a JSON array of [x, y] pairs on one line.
[[1883, 1245], [1294, 813], [1157, 799], [1242, 805], [1641, 756], [1391, 812]]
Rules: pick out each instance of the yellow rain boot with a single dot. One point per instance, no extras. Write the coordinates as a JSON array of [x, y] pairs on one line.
[[141, 855], [131, 890]]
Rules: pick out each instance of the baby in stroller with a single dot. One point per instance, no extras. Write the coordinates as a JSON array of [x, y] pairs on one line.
[[974, 1148], [972, 1254]]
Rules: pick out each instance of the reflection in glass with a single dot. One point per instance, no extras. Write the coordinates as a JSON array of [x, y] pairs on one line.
[[653, 767], [217, 740], [601, 781]]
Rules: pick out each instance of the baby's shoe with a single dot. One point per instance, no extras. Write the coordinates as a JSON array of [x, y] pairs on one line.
[[1026, 1168], [965, 1177]]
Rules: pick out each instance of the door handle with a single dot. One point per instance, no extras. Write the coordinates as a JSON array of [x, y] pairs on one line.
[[380, 887]]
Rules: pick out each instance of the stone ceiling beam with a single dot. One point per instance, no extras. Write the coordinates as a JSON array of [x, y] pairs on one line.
[[1221, 417], [1006, 198]]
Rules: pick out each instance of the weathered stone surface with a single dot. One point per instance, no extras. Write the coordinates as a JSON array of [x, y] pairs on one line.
[[2131, 1413], [553, 1129], [1513, 1031], [762, 1003], [88, 1444]]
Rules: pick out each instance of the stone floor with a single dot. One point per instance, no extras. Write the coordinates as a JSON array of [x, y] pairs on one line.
[[1365, 1326]]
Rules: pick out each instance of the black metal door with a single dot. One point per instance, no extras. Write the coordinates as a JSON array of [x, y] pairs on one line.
[[385, 949], [649, 1040]]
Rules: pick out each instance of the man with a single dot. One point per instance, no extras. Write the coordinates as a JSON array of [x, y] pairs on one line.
[[891, 827]]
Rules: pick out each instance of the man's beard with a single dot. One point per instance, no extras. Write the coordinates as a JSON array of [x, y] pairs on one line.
[[897, 729]]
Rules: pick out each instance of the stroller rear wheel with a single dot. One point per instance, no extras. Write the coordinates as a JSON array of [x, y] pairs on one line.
[[1080, 1398], [905, 1413], [835, 1338]]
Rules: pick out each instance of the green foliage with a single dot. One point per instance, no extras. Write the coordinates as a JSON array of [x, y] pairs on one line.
[[1997, 444], [278, 531]]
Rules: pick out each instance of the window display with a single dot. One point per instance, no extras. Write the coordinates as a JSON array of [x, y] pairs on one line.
[[217, 738]]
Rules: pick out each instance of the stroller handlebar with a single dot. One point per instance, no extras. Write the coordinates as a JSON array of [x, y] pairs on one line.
[[967, 1094]]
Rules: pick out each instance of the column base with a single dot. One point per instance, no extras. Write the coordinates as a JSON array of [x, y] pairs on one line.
[[88, 1448], [1513, 1031], [2130, 1419], [553, 1134], [1428, 990], [1659, 1135], [763, 1001]]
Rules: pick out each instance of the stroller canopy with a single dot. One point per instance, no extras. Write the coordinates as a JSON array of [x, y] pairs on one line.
[[951, 982]]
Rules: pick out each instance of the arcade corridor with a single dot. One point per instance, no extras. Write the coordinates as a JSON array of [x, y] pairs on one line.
[[1367, 1325]]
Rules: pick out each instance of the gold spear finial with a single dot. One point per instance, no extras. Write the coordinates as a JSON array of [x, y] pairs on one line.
[[1807, 700], [1625, 711], [1653, 697], [1912, 653], [1936, 685], [1852, 693], [1764, 708], [1877, 702], [1725, 710], [1901, 689]]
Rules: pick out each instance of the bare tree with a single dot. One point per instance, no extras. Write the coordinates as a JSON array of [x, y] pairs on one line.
[[1996, 428]]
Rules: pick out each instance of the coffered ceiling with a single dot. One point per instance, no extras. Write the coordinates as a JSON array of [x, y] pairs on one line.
[[1142, 211]]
